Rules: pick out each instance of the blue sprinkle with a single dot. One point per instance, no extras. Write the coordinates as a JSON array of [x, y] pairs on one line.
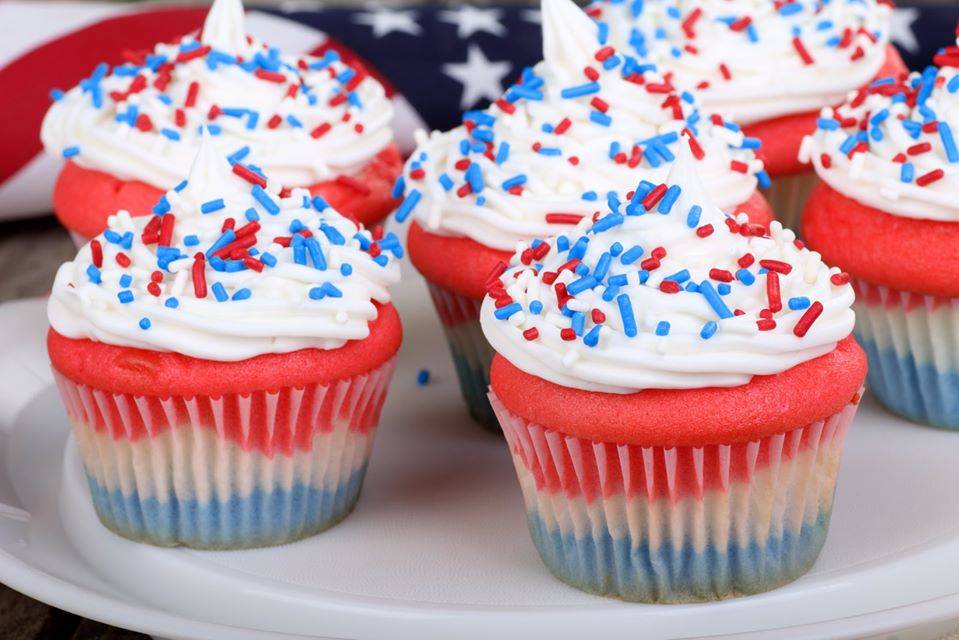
[[602, 266], [692, 218], [632, 255], [600, 118], [953, 84], [232, 266], [94, 274], [709, 329], [180, 187], [764, 180], [592, 338], [144, 323], [126, 241], [535, 307], [679, 276], [265, 200], [744, 276], [125, 296], [220, 292], [252, 215], [724, 289], [474, 175], [580, 90], [608, 222], [907, 172], [212, 205], [228, 236], [669, 199], [406, 208], [948, 142], [626, 311], [578, 322], [316, 254], [126, 280], [714, 299], [334, 236], [827, 124], [562, 243], [798, 303], [445, 181], [662, 328], [423, 377], [56, 95], [505, 312], [268, 259], [242, 294], [398, 187], [331, 290], [171, 303], [578, 286], [502, 154], [515, 181], [346, 269], [317, 293], [70, 152]]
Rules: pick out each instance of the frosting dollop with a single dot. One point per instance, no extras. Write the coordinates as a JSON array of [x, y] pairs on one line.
[[585, 121], [756, 59], [893, 145], [228, 268], [303, 119], [664, 291]]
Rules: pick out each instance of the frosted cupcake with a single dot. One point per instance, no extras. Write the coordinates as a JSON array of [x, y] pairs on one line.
[[224, 362], [585, 122], [675, 390], [886, 212], [767, 64], [128, 133]]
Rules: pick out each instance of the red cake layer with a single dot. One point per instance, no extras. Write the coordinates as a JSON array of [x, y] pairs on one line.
[[164, 374], [907, 254], [781, 137], [767, 405], [433, 254], [83, 199]]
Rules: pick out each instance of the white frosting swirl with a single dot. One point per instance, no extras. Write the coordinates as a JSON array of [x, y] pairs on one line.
[[263, 102], [604, 352], [764, 73], [886, 166], [554, 149], [290, 304]]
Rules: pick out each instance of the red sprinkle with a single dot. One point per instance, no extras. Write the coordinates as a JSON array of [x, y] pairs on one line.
[[839, 279], [531, 334], [123, 260], [321, 130], [507, 107], [705, 231], [654, 196], [563, 218], [825, 160], [598, 316], [776, 265], [807, 319], [801, 50], [721, 274], [669, 286], [96, 252], [249, 175], [917, 149], [694, 145], [772, 291], [199, 276], [270, 76], [746, 261], [739, 166], [567, 334], [766, 324], [603, 54], [191, 94], [930, 177]]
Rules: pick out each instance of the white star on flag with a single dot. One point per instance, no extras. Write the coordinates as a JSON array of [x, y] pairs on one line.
[[900, 29], [385, 21], [480, 77], [470, 20]]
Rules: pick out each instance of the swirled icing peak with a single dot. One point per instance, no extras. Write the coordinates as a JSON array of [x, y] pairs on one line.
[[304, 119], [893, 145], [230, 266], [755, 59], [662, 290], [585, 121]]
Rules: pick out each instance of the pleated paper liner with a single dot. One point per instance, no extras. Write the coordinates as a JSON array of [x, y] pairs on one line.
[[912, 342], [227, 472], [787, 195], [683, 524], [471, 353]]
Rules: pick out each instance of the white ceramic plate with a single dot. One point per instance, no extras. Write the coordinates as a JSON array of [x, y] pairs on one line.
[[438, 548]]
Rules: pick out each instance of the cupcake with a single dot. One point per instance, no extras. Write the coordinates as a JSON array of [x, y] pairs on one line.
[[224, 362], [770, 65], [585, 123], [886, 212], [128, 133], [675, 387]]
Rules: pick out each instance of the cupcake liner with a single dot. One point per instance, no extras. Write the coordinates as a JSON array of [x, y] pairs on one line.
[[787, 195], [471, 353], [227, 472], [681, 524], [912, 342]]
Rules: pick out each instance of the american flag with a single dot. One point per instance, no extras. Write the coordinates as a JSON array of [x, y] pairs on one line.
[[435, 62]]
